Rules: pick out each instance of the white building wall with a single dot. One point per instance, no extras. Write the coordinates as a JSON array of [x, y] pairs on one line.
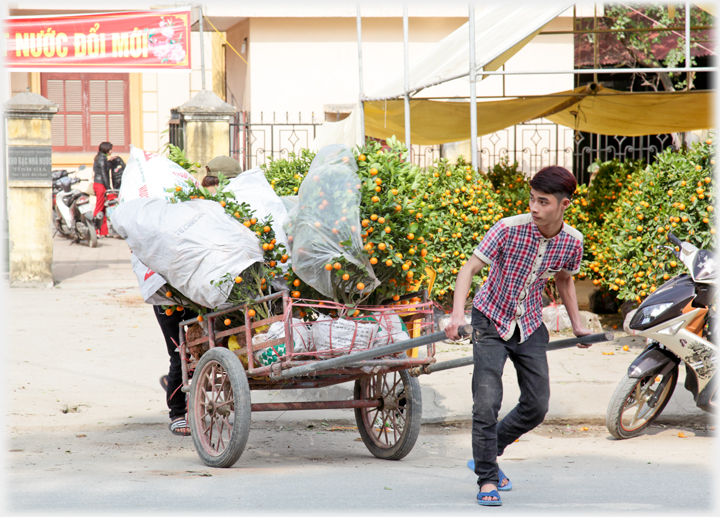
[[299, 65]]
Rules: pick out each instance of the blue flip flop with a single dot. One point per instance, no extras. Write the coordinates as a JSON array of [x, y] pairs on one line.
[[491, 493], [501, 476]]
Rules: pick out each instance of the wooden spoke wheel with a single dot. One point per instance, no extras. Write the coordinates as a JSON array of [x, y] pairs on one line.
[[390, 430], [219, 408]]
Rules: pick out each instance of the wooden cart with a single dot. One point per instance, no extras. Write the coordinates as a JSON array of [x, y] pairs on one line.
[[386, 398]]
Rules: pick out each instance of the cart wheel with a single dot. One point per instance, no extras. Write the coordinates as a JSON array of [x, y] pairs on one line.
[[391, 430], [219, 408]]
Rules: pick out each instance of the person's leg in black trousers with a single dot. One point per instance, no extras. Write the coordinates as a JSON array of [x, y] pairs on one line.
[[176, 399]]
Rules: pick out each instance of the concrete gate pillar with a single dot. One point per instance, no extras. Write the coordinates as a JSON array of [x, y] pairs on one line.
[[29, 175], [207, 128]]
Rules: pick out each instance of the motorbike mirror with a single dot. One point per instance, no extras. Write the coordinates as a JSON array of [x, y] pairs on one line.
[[82, 167]]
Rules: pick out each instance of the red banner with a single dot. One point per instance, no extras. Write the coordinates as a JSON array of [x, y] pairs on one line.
[[141, 40]]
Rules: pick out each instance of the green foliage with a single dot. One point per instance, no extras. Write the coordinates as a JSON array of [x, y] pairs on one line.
[[462, 210], [607, 185], [286, 175], [676, 195], [640, 44], [512, 186], [177, 155]]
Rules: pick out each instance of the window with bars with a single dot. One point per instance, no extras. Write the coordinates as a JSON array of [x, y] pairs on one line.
[[92, 108]]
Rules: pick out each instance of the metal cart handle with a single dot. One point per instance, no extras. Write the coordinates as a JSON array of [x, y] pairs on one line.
[[553, 345]]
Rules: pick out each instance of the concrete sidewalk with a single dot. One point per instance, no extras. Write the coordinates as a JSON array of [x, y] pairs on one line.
[[91, 347]]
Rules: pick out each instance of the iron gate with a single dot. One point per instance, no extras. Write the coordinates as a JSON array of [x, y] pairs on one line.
[[254, 143]]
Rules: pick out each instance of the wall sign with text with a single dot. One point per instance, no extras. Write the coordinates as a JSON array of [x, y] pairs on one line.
[[30, 163], [118, 41]]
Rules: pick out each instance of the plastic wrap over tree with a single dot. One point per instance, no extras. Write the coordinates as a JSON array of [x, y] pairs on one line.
[[324, 229]]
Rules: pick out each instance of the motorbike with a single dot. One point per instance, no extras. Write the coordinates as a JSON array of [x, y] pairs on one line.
[[74, 213], [58, 221], [679, 321], [111, 202]]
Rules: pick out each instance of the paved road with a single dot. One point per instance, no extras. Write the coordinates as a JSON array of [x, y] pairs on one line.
[[86, 426], [310, 469]]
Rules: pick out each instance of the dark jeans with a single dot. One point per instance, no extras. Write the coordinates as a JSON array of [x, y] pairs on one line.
[[176, 399], [489, 438]]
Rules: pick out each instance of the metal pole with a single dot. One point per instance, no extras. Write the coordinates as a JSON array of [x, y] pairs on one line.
[[687, 39], [552, 345], [595, 46], [554, 72], [202, 49], [406, 60], [361, 104], [473, 97]]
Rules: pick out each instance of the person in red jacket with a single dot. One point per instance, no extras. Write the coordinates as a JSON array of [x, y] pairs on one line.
[[101, 178]]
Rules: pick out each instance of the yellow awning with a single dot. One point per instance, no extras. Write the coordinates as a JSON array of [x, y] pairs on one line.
[[636, 114], [606, 112]]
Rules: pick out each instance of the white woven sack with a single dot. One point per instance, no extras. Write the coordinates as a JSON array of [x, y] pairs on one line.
[[149, 282], [252, 188], [556, 318], [390, 330], [190, 244], [302, 337], [149, 174], [341, 336]]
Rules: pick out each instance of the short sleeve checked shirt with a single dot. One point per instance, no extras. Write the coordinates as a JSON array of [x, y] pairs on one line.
[[521, 260]]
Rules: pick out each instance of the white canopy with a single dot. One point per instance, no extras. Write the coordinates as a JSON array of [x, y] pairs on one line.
[[501, 30]]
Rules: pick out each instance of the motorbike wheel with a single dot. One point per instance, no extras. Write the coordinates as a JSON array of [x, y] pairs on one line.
[[92, 234], [628, 413]]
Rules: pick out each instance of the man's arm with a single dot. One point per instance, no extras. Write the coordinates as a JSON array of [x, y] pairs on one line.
[[462, 286], [566, 288]]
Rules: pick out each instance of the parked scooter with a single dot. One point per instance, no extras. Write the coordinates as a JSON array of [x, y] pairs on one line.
[[679, 321], [75, 213], [58, 222]]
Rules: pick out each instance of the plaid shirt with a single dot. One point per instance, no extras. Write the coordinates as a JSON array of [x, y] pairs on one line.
[[521, 260]]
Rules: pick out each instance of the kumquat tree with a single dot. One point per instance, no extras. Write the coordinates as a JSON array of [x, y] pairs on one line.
[[392, 225], [462, 208], [286, 175], [674, 194], [420, 224]]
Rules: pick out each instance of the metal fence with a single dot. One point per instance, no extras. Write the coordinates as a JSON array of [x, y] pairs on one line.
[[533, 145], [590, 147], [254, 143], [537, 144], [176, 130]]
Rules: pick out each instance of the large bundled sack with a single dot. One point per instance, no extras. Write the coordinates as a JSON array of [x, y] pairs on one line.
[[325, 223], [252, 188], [332, 337], [149, 281], [391, 329], [192, 245], [556, 318], [149, 174]]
